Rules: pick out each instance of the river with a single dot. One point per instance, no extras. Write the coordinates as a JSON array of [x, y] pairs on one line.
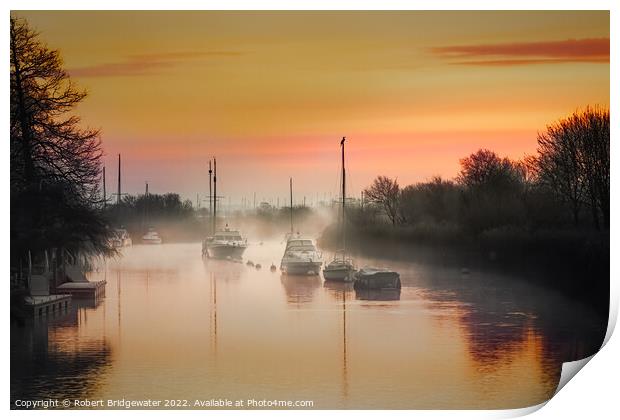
[[175, 326]]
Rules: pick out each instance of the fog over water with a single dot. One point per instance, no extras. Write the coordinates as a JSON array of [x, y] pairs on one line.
[[173, 325]]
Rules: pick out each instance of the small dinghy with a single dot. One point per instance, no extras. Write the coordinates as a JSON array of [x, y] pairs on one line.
[[370, 278]]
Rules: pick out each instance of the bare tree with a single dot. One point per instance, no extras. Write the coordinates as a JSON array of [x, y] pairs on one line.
[[484, 169], [386, 193], [492, 191], [573, 160]]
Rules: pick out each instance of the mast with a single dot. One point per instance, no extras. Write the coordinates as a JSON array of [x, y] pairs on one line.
[[344, 238], [118, 192], [214, 194], [146, 205], [105, 198], [291, 191], [210, 194]]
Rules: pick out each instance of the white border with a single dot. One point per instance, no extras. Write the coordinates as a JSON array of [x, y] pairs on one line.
[[593, 394]]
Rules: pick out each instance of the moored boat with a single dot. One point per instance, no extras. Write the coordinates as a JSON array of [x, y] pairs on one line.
[[376, 279], [226, 244], [151, 237], [341, 268], [300, 254], [301, 257]]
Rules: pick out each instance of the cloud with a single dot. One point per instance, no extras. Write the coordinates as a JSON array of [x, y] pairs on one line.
[[588, 50], [146, 64]]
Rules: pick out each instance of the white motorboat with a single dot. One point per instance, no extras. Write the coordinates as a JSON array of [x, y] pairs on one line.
[[225, 244], [151, 237], [301, 257]]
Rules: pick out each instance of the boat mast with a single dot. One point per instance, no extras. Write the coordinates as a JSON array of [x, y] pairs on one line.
[[344, 235], [214, 194], [146, 205], [210, 195], [291, 191], [105, 198], [118, 191]]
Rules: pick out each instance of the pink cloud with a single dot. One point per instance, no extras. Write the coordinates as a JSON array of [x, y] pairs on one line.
[[591, 50], [145, 64]]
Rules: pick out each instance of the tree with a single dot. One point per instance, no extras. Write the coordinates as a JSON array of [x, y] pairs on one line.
[[386, 193], [492, 191], [573, 161], [484, 169], [433, 201], [51, 155]]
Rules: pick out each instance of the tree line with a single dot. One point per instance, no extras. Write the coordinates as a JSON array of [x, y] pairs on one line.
[[566, 184]]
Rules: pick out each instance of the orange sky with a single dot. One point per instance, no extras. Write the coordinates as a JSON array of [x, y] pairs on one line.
[[272, 93]]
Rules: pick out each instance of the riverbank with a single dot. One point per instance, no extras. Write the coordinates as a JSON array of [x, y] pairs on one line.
[[572, 262]]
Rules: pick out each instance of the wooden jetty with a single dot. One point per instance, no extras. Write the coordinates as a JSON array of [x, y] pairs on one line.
[[45, 306], [88, 289]]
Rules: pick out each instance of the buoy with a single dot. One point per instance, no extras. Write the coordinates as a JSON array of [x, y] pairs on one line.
[[273, 267], [258, 266]]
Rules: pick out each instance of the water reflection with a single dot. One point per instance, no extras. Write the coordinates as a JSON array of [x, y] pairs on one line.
[[379, 295], [342, 292], [182, 327], [213, 312], [49, 360], [300, 289]]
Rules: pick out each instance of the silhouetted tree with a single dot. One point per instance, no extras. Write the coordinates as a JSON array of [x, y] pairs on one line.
[[386, 193], [484, 169], [433, 201], [44, 134], [573, 160], [492, 191], [51, 156]]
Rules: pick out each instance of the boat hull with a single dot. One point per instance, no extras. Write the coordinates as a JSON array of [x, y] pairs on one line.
[[301, 268], [151, 241], [224, 252], [377, 294], [344, 274]]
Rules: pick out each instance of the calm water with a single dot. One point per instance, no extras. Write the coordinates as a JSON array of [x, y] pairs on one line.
[[173, 326]]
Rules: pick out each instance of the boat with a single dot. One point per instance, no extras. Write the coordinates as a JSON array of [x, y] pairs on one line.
[[341, 268], [300, 254], [226, 244], [301, 257], [151, 237], [372, 278], [120, 238]]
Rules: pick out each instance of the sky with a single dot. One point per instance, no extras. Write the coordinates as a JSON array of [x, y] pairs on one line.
[[271, 94]]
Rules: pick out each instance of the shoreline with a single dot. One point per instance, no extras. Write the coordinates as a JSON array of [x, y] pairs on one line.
[[573, 263]]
